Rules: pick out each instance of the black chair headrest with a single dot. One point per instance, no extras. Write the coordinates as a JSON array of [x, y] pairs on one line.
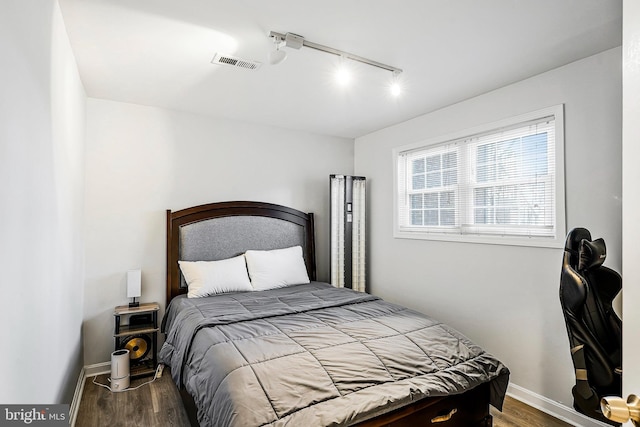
[[572, 244], [591, 254]]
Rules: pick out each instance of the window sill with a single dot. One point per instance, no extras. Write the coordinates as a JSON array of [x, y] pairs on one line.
[[540, 242]]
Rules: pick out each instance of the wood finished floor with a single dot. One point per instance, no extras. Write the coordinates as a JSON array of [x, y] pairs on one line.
[[159, 404], [155, 404], [518, 414]]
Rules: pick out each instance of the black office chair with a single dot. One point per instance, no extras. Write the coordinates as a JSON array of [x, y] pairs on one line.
[[587, 289]]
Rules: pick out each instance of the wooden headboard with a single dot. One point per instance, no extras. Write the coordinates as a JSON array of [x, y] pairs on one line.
[[222, 230]]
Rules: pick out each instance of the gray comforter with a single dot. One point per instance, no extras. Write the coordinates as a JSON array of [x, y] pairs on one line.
[[315, 355]]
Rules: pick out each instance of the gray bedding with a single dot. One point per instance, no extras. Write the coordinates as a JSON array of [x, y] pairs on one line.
[[315, 355]]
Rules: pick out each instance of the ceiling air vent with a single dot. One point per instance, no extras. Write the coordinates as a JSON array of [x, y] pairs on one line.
[[234, 61]]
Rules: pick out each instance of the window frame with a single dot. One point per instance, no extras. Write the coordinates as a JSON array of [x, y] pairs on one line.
[[488, 235]]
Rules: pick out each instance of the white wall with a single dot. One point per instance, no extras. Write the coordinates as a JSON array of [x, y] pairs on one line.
[[506, 298], [141, 161], [41, 170], [631, 186]]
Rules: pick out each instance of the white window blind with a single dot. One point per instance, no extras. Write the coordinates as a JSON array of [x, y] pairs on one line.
[[501, 182]]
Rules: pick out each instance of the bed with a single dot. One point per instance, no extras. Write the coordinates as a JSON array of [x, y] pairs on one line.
[[306, 354]]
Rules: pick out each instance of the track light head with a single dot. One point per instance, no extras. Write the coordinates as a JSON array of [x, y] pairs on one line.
[[277, 56], [291, 40], [395, 87]]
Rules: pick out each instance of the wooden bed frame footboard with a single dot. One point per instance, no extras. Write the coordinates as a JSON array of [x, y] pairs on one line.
[[469, 409]]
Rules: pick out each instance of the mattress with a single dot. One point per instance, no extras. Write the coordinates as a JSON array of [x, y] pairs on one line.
[[315, 355]]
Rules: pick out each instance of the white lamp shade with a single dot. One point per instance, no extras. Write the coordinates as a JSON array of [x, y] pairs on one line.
[[134, 283]]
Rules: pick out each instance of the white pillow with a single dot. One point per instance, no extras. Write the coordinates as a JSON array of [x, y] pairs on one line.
[[206, 278], [276, 268]]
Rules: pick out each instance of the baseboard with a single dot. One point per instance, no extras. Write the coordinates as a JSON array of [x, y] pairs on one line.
[[86, 371], [77, 395], [552, 408], [97, 369]]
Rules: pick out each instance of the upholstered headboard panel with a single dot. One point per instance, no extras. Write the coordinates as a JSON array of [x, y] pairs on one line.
[[223, 230]]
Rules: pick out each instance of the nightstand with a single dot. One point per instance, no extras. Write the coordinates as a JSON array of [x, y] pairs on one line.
[[136, 329]]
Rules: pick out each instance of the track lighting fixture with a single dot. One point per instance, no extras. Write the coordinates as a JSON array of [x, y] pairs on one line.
[[296, 41]]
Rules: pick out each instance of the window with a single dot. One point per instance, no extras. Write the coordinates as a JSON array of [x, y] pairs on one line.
[[500, 183]]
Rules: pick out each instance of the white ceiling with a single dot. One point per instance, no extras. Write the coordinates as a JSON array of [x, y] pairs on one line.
[[158, 53]]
